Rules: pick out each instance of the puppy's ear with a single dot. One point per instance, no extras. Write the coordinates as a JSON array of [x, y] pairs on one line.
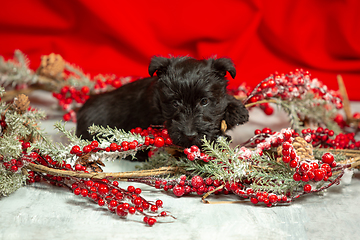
[[223, 65], [235, 112], [158, 65]]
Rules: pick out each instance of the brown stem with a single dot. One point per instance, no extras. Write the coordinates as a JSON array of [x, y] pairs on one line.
[[109, 175], [259, 102]]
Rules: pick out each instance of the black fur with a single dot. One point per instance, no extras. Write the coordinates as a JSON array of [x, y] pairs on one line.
[[189, 96]]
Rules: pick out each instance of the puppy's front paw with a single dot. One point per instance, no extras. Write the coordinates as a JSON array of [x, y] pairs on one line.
[[235, 113]]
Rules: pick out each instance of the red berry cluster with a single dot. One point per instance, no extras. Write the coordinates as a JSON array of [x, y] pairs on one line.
[[118, 200], [312, 171], [194, 153], [290, 86], [182, 186], [325, 138], [71, 97], [199, 185], [113, 147], [269, 199], [103, 192], [14, 165], [153, 137]]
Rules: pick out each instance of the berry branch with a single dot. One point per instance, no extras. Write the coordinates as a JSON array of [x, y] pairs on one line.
[[272, 168]]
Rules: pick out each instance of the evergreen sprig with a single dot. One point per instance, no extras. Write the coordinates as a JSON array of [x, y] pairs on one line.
[[310, 108], [16, 71], [114, 134]]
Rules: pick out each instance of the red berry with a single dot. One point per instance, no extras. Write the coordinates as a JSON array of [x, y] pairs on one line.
[[273, 198], [194, 148], [151, 221], [138, 130], [311, 175], [293, 163], [159, 142], [249, 191], [67, 117], [268, 110], [191, 156], [153, 208], [254, 200], [77, 191], [26, 145], [319, 174], [84, 192], [297, 177], [103, 189], [138, 191], [85, 90], [132, 145], [257, 131], [119, 196], [168, 141], [101, 202], [187, 151], [304, 167], [209, 181], [113, 147], [35, 155], [137, 201], [197, 181], [95, 143], [286, 159], [307, 188], [78, 167], [113, 203], [132, 210], [87, 149], [145, 205], [266, 130], [178, 190], [286, 145], [75, 149], [159, 203], [285, 152], [327, 158], [305, 178], [315, 165], [125, 205], [287, 135], [131, 189]]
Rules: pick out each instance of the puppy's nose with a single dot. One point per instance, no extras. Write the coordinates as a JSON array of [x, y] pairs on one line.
[[191, 135]]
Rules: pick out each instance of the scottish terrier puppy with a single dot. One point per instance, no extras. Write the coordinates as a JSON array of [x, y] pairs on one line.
[[188, 96]]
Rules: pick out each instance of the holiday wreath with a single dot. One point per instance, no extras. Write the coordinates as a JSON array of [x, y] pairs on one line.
[[272, 168]]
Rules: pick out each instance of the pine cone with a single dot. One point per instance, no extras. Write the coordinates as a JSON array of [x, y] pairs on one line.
[[52, 66], [21, 103], [303, 149]]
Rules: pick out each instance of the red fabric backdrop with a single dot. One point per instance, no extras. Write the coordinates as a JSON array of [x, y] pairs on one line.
[[261, 36]]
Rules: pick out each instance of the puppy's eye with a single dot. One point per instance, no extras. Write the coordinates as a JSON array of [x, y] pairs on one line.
[[204, 102], [175, 103]]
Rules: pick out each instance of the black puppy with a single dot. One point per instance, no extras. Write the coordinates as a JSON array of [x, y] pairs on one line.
[[189, 96]]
